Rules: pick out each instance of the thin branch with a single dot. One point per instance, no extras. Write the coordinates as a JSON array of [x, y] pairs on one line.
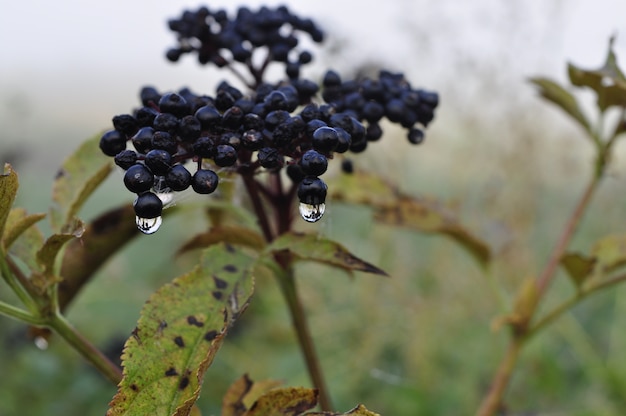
[[569, 303], [19, 314], [16, 281]]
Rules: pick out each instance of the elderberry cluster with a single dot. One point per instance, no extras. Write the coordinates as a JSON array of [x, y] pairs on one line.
[[180, 140], [220, 40]]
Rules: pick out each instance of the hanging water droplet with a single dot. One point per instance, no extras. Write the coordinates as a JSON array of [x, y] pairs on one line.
[[311, 213], [148, 225], [41, 343]]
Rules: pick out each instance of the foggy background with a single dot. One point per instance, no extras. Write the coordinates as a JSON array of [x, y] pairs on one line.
[[68, 66]]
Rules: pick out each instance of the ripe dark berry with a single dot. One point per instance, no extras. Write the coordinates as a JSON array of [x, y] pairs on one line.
[[295, 173], [225, 155], [345, 140], [112, 142], [325, 139], [178, 178], [331, 79], [252, 140], [148, 205], [125, 123], [159, 161], [208, 116], [204, 146], [346, 166], [373, 132], [313, 163], [270, 158], [415, 136], [149, 96], [145, 116], [312, 191], [138, 178], [189, 129], [166, 122], [224, 100], [252, 121], [142, 140], [164, 141], [232, 118], [175, 104], [204, 181], [125, 159]]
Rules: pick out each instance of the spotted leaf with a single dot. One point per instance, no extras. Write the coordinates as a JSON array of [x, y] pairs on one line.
[[179, 332], [315, 248]]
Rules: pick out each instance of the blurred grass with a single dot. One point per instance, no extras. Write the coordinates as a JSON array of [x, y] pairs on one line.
[[417, 343]]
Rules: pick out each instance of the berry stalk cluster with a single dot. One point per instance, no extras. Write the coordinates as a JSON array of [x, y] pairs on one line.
[[182, 139]]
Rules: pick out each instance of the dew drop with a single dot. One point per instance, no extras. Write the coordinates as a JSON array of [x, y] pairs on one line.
[[41, 343], [148, 225], [312, 213]]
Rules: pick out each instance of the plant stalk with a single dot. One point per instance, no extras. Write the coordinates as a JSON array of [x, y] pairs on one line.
[[92, 354], [300, 324]]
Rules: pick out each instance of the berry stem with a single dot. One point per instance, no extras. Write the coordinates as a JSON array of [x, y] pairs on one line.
[[257, 204], [92, 354]]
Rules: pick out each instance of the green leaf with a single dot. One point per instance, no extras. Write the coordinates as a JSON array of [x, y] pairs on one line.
[[179, 332], [607, 81], [431, 217], [26, 246], [17, 223], [558, 95], [8, 189], [360, 410], [287, 401], [102, 238], [47, 254], [579, 267], [394, 208], [235, 235], [77, 179], [315, 248]]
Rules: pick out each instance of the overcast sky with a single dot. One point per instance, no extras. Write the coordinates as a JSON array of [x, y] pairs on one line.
[[68, 66]]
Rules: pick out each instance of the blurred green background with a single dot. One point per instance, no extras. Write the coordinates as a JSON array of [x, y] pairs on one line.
[[419, 342]]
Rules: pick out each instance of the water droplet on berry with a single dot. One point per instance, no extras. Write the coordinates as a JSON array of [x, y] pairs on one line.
[[148, 225], [311, 213]]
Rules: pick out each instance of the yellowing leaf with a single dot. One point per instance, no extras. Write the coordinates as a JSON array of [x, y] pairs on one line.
[[242, 394], [179, 332], [315, 248], [288, 401], [360, 410], [8, 190], [393, 208], [432, 217], [79, 176], [235, 235]]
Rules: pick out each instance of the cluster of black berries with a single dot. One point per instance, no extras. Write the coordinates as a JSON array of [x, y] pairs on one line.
[[290, 124], [220, 40]]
